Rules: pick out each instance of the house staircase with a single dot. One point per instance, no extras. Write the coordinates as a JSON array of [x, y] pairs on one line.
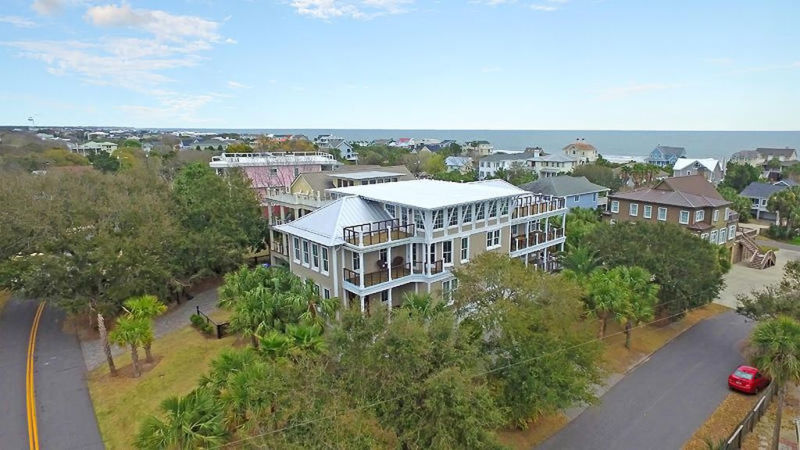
[[751, 253]]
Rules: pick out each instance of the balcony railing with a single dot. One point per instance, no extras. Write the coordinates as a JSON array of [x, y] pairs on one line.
[[733, 216], [534, 238], [279, 248], [531, 205], [397, 272], [377, 232], [551, 264]]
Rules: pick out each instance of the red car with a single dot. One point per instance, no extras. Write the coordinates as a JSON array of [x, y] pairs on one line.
[[747, 379]]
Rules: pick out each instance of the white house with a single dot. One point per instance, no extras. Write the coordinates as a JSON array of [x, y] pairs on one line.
[[93, 148], [708, 167]]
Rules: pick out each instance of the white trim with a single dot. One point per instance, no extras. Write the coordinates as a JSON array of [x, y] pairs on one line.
[[648, 211], [680, 217], [615, 206], [661, 208], [633, 209]]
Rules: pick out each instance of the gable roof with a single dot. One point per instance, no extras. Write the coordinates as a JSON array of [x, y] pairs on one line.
[[563, 186], [325, 224], [320, 181], [457, 160], [519, 156], [670, 151], [746, 154], [692, 191], [768, 152], [709, 163], [761, 190]]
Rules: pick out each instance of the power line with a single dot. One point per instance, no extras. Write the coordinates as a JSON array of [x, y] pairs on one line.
[[488, 372]]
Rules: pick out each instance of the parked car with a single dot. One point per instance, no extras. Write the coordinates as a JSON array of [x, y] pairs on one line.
[[747, 379]]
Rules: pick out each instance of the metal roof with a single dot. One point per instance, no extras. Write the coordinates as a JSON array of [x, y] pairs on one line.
[[325, 225], [366, 175], [708, 163], [563, 186], [761, 190], [430, 194]]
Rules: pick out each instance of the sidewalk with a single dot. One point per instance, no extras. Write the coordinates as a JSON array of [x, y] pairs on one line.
[[174, 319]]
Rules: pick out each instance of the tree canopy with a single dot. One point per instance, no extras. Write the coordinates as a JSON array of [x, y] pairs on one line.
[[599, 174], [740, 204], [739, 175], [687, 268]]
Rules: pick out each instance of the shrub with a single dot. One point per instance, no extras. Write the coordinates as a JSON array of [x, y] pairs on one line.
[[201, 324]]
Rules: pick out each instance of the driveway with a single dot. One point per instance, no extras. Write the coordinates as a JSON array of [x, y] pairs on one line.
[[65, 415], [661, 403], [743, 280]]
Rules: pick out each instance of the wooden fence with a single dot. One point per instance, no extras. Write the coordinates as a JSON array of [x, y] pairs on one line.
[[749, 422], [220, 329]]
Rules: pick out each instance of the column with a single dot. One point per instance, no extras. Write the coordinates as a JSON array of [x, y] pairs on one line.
[[283, 213], [361, 271], [390, 300], [361, 297], [389, 261]]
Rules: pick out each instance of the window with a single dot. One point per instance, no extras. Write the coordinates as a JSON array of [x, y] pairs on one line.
[[715, 216], [492, 209], [662, 213], [356, 261], [324, 259], [614, 206], [576, 198], [684, 219], [418, 222], [382, 255], [479, 211], [633, 209], [452, 217], [594, 197], [648, 211], [315, 256], [296, 250], [714, 236], [438, 220], [503, 207], [448, 288], [699, 215], [326, 293], [464, 249], [467, 212], [273, 171], [296, 171], [447, 252], [432, 253], [305, 252], [723, 235], [492, 239], [731, 232], [392, 210]]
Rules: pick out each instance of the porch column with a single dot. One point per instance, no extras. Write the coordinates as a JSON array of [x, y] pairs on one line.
[[390, 300], [283, 214], [389, 261], [361, 297]]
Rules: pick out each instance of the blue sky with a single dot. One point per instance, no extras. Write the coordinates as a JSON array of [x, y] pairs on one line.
[[449, 64]]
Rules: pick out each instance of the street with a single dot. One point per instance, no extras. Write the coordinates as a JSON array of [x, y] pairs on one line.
[[65, 415], [660, 404]]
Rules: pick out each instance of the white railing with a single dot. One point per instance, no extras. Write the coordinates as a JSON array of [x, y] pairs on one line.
[[272, 159]]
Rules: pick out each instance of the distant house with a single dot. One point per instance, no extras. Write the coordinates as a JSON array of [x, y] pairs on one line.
[[553, 165], [345, 149], [197, 144], [690, 202], [710, 168], [761, 157], [381, 142], [532, 159], [759, 194], [462, 164], [478, 148], [93, 148], [582, 151], [665, 156], [403, 143], [578, 192]]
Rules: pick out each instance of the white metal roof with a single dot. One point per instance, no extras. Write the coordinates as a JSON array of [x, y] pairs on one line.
[[366, 175], [431, 194], [325, 225], [708, 163]]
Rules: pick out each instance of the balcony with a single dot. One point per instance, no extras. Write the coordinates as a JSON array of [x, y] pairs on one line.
[[377, 232], [550, 264], [532, 205], [733, 217], [278, 248], [397, 272], [534, 238]]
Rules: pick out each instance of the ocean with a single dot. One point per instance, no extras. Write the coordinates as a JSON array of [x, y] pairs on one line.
[[698, 144]]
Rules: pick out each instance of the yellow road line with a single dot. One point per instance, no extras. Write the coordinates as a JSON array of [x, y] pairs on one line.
[[30, 400]]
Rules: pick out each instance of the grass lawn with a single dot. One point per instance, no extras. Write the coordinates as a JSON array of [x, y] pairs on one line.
[[121, 403], [795, 241], [722, 422], [616, 359]]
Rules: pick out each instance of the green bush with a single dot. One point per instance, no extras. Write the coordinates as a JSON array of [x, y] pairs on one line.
[[201, 324]]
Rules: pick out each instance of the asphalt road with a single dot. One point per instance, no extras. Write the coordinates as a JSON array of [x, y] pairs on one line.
[[65, 415], [661, 403]]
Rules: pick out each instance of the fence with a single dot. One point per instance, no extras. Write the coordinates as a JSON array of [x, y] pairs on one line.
[[747, 424], [220, 328]]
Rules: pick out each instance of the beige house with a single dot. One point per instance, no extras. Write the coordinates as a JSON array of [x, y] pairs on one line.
[[377, 242], [582, 151]]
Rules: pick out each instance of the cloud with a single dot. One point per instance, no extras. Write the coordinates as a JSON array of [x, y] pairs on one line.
[[47, 7], [19, 22], [165, 42], [545, 8], [355, 9], [173, 107], [161, 24], [616, 93], [237, 85]]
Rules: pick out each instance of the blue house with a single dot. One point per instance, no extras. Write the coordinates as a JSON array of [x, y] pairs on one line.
[[664, 156], [578, 192]]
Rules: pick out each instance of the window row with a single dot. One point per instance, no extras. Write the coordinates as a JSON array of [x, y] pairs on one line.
[[311, 255], [450, 216], [720, 236]]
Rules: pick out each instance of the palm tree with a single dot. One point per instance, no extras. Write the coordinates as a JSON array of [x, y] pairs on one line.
[[605, 292], [777, 353], [133, 332], [423, 305], [306, 339], [641, 302], [190, 422], [146, 307], [579, 262], [273, 344]]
